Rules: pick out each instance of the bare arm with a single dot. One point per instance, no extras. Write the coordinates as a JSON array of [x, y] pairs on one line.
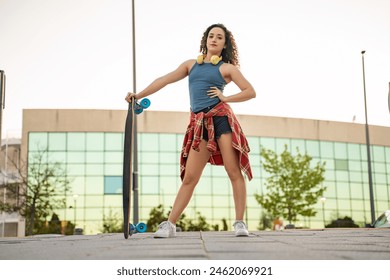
[[180, 73], [232, 73]]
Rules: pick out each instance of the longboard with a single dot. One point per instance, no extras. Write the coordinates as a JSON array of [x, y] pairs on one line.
[[128, 164]]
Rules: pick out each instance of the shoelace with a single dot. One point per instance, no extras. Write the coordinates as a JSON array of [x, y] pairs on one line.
[[239, 225], [164, 225]]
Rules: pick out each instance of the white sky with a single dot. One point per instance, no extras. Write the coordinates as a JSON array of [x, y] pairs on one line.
[[303, 57]]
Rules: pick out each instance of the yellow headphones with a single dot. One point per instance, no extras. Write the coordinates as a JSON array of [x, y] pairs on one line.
[[214, 59]]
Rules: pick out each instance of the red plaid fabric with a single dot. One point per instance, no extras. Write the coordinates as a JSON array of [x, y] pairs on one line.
[[194, 135]]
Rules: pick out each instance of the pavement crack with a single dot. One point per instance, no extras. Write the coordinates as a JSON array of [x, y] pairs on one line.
[[204, 245]]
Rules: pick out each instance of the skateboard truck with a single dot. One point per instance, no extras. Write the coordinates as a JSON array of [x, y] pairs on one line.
[[143, 104], [139, 228]]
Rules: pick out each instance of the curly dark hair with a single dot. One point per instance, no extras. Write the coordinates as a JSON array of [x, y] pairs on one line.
[[230, 54]]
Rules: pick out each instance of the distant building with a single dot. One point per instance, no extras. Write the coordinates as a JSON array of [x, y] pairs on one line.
[[11, 224], [89, 143]]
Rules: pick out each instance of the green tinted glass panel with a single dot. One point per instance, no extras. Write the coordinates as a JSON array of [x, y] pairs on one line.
[[148, 157], [355, 176], [57, 141], [221, 186], [76, 141], [206, 171], [379, 167], [95, 141], [354, 151], [280, 145], [254, 144], [112, 202], [167, 142], [78, 185], [357, 191], [37, 141], [363, 152], [75, 157], [59, 157], [341, 164], [313, 148], [113, 157], [169, 170], [268, 143], [204, 187], [355, 165], [93, 212], [94, 157], [342, 176], [340, 150], [379, 178], [150, 185], [94, 185], [113, 169], [297, 143], [168, 158], [327, 150], [94, 169], [149, 142], [342, 190], [378, 154], [169, 184], [75, 169], [387, 154], [113, 141], [149, 169]]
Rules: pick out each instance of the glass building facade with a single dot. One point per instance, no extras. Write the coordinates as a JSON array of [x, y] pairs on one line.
[[93, 161]]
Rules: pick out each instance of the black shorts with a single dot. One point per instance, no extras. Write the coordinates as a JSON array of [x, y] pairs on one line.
[[221, 125]]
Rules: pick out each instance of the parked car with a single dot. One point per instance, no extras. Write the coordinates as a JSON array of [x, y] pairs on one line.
[[383, 221]]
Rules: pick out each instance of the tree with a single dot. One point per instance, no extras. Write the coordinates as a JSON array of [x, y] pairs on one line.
[[345, 222], [265, 221], [293, 186], [156, 216], [112, 223], [186, 224], [39, 192]]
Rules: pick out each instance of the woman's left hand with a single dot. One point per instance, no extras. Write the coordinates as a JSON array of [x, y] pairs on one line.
[[216, 92]]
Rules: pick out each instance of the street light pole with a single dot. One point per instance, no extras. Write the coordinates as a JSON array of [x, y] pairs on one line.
[[2, 100], [368, 148], [388, 98], [75, 196], [323, 199]]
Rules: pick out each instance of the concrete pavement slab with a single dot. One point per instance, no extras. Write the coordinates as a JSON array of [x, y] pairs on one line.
[[328, 244]]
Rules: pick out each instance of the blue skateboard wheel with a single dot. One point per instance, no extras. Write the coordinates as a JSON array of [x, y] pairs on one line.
[[141, 227], [138, 109], [145, 103]]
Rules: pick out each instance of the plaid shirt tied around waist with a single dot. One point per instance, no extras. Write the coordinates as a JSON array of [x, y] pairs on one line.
[[194, 135]]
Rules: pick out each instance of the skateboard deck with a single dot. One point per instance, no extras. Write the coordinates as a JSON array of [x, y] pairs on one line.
[[128, 164]]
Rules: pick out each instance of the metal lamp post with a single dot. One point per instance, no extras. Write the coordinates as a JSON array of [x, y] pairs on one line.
[[368, 148], [323, 199], [388, 98], [75, 196], [2, 99]]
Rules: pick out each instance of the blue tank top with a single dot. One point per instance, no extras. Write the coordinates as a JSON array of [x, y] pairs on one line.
[[200, 79]]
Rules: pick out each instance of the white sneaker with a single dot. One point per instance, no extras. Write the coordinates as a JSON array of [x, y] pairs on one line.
[[240, 228], [165, 230]]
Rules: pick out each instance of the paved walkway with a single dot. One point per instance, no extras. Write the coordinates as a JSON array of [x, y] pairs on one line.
[[328, 244]]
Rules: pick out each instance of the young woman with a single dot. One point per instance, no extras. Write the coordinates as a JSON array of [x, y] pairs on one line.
[[213, 134]]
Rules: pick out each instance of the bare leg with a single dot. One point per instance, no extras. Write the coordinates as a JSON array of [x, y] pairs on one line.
[[195, 164], [232, 167]]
